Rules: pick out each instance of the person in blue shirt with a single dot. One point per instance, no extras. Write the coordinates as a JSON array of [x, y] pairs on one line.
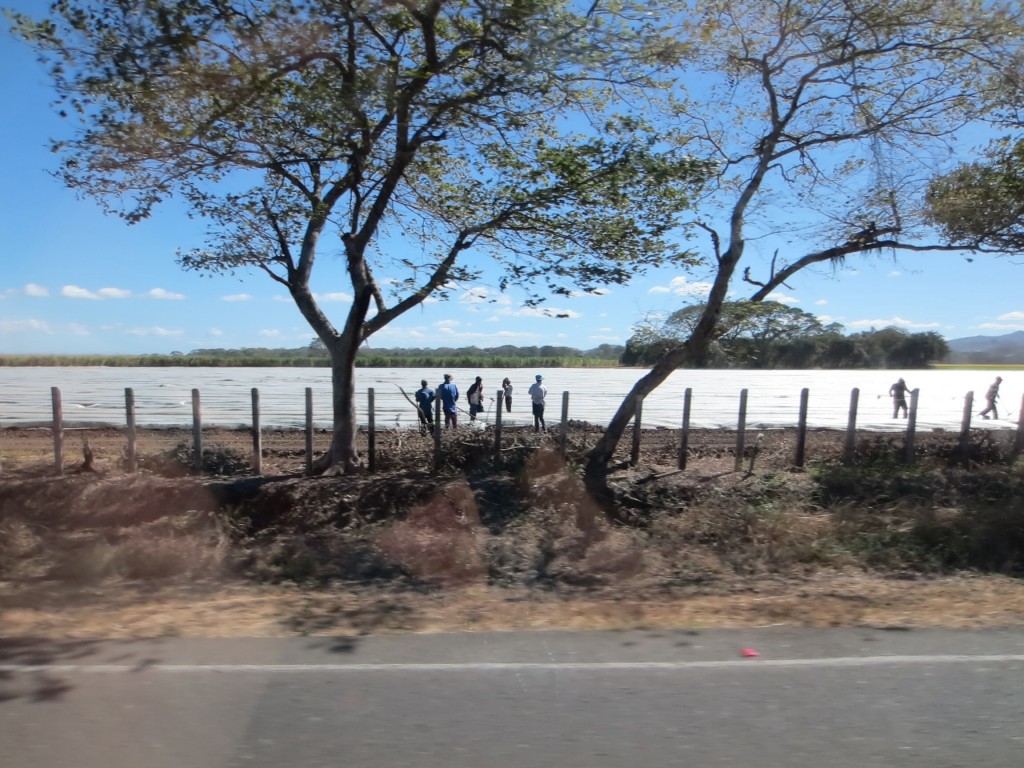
[[425, 403], [449, 393]]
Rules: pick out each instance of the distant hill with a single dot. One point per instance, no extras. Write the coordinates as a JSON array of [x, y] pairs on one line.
[[987, 350]]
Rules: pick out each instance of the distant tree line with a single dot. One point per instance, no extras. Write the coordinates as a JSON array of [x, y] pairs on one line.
[[771, 335], [315, 356], [761, 335]]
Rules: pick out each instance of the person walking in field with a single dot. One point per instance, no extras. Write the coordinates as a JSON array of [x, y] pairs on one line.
[[538, 392], [425, 405], [898, 392], [506, 387], [990, 400], [449, 394]]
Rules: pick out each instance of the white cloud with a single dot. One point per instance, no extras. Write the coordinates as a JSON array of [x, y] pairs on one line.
[[35, 290], [154, 331], [681, 286], [544, 311], [165, 295], [74, 292], [782, 298], [895, 273], [821, 302], [605, 339], [336, 296], [897, 322], [113, 293], [1012, 316], [270, 333], [237, 297], [23, 326], [77, 329], [480, 295], [1002, 326], [215, 332], [282, 297]]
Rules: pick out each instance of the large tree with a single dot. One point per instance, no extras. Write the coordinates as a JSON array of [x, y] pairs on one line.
[[749, 334], [411, 136], [980, 204], [825, 116]]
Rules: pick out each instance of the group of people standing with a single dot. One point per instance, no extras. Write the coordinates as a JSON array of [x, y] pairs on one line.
[[898, 393], [448, 393]]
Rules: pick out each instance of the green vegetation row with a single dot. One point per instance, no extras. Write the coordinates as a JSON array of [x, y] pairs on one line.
[[281, 359]]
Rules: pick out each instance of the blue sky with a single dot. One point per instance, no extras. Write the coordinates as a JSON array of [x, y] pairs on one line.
[[76, 281]]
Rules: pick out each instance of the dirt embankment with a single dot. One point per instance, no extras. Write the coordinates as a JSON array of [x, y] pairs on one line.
[[493, 543]]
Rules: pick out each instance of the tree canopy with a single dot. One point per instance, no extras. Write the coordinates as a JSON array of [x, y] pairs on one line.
[[980, 204], [410, 140], [826, 118], [770, 334]]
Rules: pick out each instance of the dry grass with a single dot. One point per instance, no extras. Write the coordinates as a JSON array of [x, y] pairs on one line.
[[215, 609], [104, 555]]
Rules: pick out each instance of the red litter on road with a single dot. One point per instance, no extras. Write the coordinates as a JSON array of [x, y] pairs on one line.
[[749, 653]]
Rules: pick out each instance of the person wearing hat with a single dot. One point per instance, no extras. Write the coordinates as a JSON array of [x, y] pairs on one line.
[[990, 399], [538, 392]]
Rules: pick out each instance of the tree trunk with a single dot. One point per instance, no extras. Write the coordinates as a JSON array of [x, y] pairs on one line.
[[343, 403], [342, 350], [596, 471]]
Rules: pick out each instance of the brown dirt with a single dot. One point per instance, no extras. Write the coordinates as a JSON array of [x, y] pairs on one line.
[[107, 514]]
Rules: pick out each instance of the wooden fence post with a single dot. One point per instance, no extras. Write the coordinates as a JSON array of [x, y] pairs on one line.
[[965, 426], [58, 431], [309, 430], [1018, 441], [634, 456], [497, 426], [563, 431], [437, 434], [801, 428], [741, 430], [197, 433], [257, 434], [131, 457], [851, 427], [684, 437], [371, 437], [908, 451]]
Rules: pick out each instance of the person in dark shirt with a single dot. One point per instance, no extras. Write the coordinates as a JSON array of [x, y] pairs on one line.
[[475, 396], [990, 399], [898, 392], [506, 387]]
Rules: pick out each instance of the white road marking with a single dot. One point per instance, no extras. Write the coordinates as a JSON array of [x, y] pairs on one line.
[[484, 666]]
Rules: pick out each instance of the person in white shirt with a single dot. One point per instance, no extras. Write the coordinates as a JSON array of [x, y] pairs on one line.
[[537, 394]]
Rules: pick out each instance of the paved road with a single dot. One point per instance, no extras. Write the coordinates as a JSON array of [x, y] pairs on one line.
[[827, 699]]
